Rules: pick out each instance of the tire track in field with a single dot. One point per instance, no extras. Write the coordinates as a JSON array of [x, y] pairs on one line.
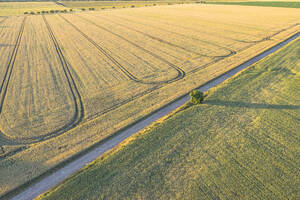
[[6, 79], [180, 72], [78, 105], [123, 69], [206, 33], [231, 52], [10, 66], [187, 28]]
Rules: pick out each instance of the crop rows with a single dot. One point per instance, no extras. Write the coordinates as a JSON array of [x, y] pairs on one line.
[[66, 71]]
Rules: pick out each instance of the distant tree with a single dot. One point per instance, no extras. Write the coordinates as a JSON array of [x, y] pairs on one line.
[[38, 12], [25, 13], [197, 97], [83, 9], [91, 8], [32, 13], [132, 6], [43, 12], [113, 7], [51, 11], [71, 10]]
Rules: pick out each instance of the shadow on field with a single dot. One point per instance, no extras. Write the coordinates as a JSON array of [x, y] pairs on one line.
[[250, 105]]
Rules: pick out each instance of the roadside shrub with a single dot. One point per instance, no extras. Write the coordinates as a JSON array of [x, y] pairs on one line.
[[43, 12], [132, 6], [71, 10], [56, 11], [113, 7], [102, 8], [38, 12], [83, 9], [25, 13], [46, 11], [91, 8], [197, 97], [32, 13], [51, 11], [65, 11], [154, 4]]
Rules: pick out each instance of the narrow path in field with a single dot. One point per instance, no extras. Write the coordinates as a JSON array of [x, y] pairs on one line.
[[7, 76], [230, 51], [78, 105], [49, 180], [208, 33], [180, 72], [122, 68]]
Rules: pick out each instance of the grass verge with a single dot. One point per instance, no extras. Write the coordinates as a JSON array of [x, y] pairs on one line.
[[283, 4]]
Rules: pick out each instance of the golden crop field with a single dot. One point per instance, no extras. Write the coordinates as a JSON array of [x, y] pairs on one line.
[[69, 81]]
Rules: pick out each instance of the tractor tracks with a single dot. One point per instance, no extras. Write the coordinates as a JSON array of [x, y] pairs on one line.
[[6, 79], [180, 72], [231, 52], [164, 41], [76, 97], [10, 66], [123, 69]]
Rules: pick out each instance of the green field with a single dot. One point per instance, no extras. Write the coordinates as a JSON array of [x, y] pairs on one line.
[[18, 8], [285, 4], [243, 143], [116, 4]]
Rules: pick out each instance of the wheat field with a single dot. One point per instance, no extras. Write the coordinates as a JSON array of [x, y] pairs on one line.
[[69, 81]]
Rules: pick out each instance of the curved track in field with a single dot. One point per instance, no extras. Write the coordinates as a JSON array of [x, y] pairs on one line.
[[49, 181], [206, 33], [79, 109], [180, 72], [180, 75], [7, 77], [231, 52], [78, 105]]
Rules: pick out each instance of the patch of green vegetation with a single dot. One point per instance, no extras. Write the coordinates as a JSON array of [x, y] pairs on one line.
[[19, 8], [117, 4], [242, 143], [283, 4]]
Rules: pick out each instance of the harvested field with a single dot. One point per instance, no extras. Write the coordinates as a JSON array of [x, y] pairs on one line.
[[69, 81]]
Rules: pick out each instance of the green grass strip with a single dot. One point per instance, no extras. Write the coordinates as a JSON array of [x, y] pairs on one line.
[[262, 3]]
